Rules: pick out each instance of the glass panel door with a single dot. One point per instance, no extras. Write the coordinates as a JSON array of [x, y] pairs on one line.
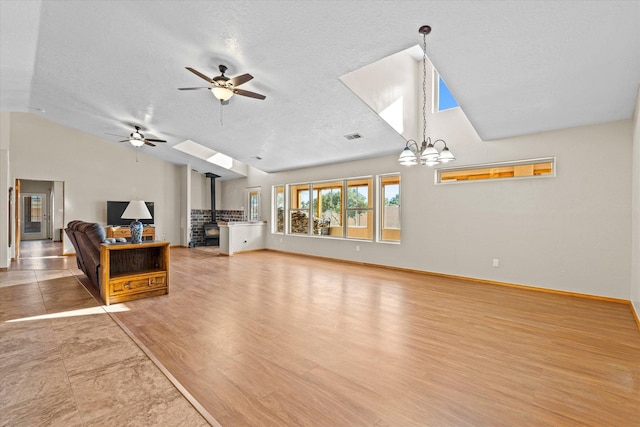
[[33, 216]]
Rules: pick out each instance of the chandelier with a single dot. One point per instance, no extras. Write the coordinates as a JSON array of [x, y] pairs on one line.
[[426, 153]]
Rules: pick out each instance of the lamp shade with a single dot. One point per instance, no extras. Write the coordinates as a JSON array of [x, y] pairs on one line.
[[446, 156], [430, 153], [407, 157], [136, 209], [136, 142], [222, 93]]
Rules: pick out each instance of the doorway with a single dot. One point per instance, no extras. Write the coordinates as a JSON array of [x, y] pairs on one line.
[[39, 218]]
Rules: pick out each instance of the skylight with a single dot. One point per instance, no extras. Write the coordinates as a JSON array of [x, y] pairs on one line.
[[200, 151], [393, 88], [221, 160], [446, 101], [393, 115]]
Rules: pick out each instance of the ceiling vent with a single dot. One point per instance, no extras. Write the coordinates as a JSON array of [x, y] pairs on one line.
[[353, 136]]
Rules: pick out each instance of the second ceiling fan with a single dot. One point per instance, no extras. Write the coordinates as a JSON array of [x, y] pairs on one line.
[[224, 87], [137, 139]]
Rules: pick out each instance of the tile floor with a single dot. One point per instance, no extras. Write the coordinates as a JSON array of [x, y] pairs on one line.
[[65, 362]]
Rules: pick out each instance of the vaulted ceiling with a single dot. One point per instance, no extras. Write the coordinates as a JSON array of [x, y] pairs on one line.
[[515, 68]]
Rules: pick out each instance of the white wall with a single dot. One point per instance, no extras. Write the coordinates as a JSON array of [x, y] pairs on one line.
[[233, 193], [58, 209], [200, 191], [635, 212], [570, 233], [6, 252], [93, 171], [185, 204], [384, 82]]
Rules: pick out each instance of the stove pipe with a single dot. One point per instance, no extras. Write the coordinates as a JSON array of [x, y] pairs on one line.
[[213, 177]]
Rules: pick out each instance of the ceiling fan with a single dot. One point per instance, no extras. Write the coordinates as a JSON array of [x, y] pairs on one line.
[[137, 139], [224, 87]]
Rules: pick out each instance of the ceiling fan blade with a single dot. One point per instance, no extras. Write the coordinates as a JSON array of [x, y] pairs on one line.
[[124, 140], [199, 74], [249, 94], [237, 81], [193, 88], [149, 144], [113, 134], [154, 140]]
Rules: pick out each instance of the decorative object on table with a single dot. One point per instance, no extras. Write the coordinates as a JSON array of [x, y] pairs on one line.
[[427, 154], [136, 210]]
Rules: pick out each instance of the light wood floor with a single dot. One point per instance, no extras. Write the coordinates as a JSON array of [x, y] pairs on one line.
[[269, 339]]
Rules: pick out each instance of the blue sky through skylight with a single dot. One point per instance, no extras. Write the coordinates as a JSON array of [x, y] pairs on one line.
[[445, 99]]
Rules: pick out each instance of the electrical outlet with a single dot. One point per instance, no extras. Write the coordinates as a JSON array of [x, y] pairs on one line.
[[496, 262], [281, 240], [357, 248]]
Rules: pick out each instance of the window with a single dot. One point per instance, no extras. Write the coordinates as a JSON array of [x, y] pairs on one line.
[[344, 208], [253, 204], [278, 220], [32, 214], [445, 100], [327, 208], [299, 209], [532, 168], [359, 209], [36, 209], [390, 208]]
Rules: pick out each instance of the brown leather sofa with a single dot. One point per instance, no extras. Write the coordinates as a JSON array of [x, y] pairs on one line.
[[86, 238]]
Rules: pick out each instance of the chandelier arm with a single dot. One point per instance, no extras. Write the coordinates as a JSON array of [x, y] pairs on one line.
[[411, 143], [440, 140]]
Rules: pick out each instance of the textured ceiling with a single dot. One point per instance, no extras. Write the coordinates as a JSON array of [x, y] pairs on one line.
[[515, 68]]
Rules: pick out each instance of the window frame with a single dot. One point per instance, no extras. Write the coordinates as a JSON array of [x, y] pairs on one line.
[[436, 93], [343, 230], [355, 231], [253, 209], [275, 206], [298, 188], [389, 234], [514, 163], [323, 229]]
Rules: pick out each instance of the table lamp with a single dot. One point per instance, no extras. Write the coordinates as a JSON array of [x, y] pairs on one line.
[[136, 210]]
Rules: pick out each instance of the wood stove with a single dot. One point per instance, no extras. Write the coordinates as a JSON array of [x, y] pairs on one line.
[[211, 234]]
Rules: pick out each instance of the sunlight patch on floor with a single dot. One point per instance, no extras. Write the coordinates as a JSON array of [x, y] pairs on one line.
[[73, 313]]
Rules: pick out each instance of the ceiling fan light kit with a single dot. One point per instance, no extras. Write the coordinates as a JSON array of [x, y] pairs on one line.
[[426, 153], [136, 142], [222, 93], [137, 139], [224, 87]]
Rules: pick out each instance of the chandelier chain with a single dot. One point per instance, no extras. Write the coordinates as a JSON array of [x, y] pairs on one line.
[[426, 153], [424, 87]]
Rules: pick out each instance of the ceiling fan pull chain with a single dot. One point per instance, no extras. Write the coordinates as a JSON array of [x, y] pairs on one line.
[[221, 112]]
